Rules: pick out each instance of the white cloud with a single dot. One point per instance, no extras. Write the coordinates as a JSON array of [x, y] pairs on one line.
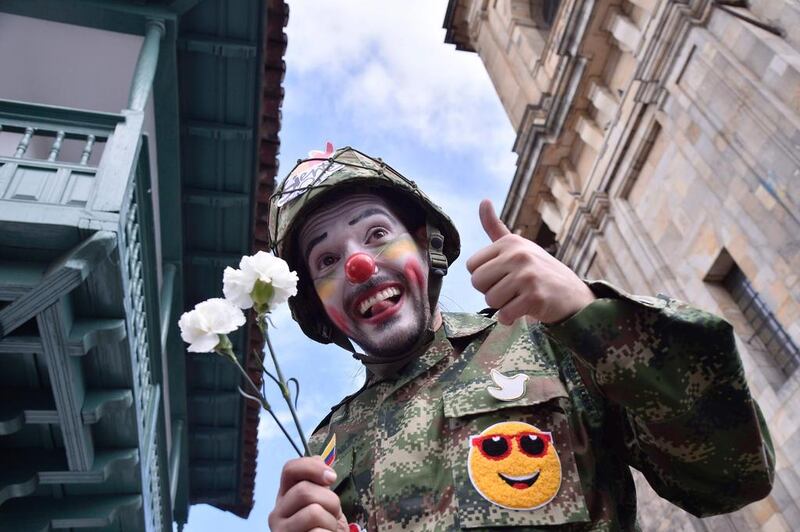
[[390, 69], [268, 429]]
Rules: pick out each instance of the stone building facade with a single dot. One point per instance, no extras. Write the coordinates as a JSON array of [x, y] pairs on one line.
[[658, 147]]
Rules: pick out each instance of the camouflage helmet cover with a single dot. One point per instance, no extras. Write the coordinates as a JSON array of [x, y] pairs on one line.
[[308, 185]]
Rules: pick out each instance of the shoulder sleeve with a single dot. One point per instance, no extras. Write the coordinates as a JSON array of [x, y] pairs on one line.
[[690, 423], [320, 436]]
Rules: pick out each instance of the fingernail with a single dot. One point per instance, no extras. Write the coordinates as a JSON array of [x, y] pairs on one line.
[[329, 476]]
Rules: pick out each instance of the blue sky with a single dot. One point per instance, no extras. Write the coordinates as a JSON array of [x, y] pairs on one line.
[[378, 76]]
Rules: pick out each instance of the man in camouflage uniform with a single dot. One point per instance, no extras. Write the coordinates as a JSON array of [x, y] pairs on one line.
[[529, 418]]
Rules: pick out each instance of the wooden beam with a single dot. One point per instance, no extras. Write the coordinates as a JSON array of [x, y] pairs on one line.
[[117, 167], [217, 130], [216, 468], [211, 258], [150, 421], [183, 6], [105, 463], [176, 457], [216, 497], [77, 120], [25, 407], [24, 467], [18, 278], [100, 403], [42, 514], [128, 8], [20, 344], [61, 278], [36, 407], [213, 396], [215, 198], [213, 433], [218, 46], [86, 334], [167, 297], [69, 390]]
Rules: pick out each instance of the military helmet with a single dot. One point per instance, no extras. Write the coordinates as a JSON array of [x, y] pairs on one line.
[[307, 186]]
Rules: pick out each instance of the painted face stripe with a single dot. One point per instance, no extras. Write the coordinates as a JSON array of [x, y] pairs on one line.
[[325, 289], [413, 271], [337, 319], [399, 248]]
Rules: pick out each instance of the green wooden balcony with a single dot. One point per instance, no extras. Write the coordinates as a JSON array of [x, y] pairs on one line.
[[82, 439], [105, 422]]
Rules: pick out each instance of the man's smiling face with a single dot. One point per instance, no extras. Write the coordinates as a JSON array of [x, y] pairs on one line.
[[386, 313]]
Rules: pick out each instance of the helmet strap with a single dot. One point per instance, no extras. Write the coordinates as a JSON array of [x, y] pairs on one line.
[[330, 334], [436, 258], [437, 264]]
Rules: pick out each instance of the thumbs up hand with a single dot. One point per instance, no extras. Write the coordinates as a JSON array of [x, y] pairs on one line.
[[519, 278]]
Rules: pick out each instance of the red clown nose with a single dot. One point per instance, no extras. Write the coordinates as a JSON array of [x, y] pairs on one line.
[[359, 267]]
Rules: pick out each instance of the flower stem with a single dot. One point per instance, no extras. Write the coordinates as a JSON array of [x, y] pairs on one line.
[[263, 401], [264, 404], [283, 429], [262, 325]]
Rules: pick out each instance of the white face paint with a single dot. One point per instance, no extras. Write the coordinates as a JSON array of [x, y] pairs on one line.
[[387, 312]]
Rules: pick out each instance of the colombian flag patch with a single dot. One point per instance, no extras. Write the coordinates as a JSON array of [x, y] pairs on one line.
[[329, 454]]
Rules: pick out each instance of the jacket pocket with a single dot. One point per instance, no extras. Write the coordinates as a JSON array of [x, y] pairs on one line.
[[512, 460], [346, 489], [343, 465]]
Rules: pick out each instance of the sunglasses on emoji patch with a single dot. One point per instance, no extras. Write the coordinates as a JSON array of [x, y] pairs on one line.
[[498, 446]]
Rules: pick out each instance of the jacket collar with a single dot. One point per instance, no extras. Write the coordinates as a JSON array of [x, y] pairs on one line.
[[463, 325]]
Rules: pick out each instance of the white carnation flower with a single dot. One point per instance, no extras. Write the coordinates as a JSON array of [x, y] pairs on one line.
[[237, 285], [202, 327], [263, 280]]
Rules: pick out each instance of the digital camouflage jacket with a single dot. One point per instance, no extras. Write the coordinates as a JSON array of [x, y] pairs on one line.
[[650, 383]]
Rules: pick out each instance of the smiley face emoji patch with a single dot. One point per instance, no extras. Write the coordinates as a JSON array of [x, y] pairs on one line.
[[514, 465]]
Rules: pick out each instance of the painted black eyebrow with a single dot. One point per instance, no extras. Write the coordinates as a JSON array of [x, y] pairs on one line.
[[368, 212], [314, 242]]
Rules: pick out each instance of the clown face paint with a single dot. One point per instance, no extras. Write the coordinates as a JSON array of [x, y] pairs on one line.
[[387, 312]]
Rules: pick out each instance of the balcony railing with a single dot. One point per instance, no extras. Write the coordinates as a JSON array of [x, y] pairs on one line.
[[50, 155]]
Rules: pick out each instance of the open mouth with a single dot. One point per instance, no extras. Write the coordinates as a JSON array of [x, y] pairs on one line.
[[520, 483], [378, 301]]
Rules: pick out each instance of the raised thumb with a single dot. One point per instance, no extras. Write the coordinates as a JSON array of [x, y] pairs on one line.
[[493, 225]]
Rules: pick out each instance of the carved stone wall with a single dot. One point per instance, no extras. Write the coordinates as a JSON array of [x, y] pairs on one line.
[[659, 148]]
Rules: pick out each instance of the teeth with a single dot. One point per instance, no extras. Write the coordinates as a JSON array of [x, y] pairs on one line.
[[523, 478], [386, 293]]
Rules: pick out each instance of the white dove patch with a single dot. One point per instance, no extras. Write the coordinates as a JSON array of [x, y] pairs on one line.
[[507, 388]]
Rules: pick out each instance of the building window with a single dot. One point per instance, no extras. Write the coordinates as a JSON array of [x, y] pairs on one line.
[[544, 12], [546, 239], [549, 10], [765, 327]]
